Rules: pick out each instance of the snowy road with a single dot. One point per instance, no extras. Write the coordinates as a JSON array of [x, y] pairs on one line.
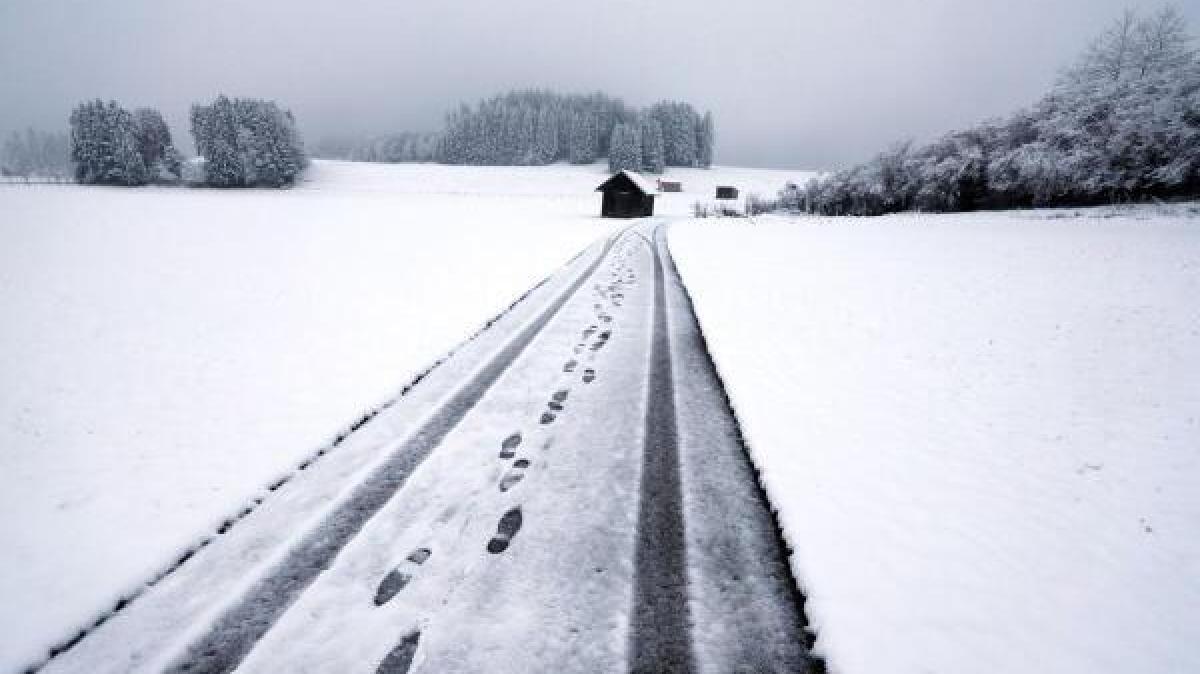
[[566, 492]]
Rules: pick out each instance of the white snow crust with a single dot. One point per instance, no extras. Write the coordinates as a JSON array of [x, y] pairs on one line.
[[167, 353], [982, 431]]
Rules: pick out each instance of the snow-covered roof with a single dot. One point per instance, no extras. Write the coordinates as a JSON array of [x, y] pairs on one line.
[[645, 185], [637, 179]]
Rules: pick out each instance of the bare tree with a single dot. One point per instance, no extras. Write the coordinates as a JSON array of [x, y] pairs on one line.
[[1161, 42], [1110, 55]]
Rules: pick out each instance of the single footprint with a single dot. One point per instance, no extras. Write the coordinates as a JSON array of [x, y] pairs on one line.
[[560, 396], [555, 405], [570, 366], [547, 417], [589, 375], [508, 527], [514, 475], [509, 446], [400, 576], [401, 658]]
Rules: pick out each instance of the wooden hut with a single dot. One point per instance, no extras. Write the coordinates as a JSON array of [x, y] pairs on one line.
[[727, 192], [627, 195], [669, 186]]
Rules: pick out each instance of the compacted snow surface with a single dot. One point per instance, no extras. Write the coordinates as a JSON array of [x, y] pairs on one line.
[[167, 353], [982, 431]]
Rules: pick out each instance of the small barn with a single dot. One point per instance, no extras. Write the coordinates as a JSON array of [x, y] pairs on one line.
[[670, 186], [627, 195], [727, 192]]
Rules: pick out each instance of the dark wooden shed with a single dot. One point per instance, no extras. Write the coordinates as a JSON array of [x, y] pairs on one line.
[[727, 192], [627, 195]]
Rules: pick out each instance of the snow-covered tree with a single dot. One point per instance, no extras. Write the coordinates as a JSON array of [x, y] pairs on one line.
[[162, 160], [36, 154], [625, 148], [704, 141], [247, 142], [679, 122], [214, 130], [104, 145], [1123, 122], [540, 127], [583, 139], [546, 137], [1163, 43], [653, 160]]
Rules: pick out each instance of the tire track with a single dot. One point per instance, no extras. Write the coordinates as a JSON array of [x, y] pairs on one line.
[[661, 626], [740, 557], [224, 644]]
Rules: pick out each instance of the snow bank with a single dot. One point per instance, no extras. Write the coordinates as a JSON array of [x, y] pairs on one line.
[[981, 430]]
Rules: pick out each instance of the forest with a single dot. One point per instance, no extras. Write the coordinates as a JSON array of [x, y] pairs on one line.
[[536, 127]]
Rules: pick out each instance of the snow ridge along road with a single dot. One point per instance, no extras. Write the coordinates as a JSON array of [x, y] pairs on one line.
[[569, 494]]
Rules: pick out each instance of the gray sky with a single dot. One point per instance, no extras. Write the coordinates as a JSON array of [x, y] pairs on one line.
[[792, 83]]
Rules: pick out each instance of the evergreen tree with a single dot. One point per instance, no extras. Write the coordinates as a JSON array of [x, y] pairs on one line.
[[247, 142], [546, 137], [704, 141], [583, 139], [625, 148], [104, 145], [679, 122], [214, 129], [653, 160], [154, 143]]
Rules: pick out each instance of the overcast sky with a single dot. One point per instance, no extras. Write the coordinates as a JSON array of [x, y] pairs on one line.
[[792, 83]]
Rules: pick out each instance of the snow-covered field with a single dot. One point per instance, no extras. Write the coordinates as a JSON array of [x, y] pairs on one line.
[[167, 353], [983, 431]]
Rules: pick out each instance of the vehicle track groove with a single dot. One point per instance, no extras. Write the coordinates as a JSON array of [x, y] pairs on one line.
[[742, 558], [661, 626]]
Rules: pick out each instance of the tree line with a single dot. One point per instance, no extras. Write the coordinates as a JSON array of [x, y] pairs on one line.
[[395, 148], [1122, 123], [243, 142], [36, 155], [536, 127]]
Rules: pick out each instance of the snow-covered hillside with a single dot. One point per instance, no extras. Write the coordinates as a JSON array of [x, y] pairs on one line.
[[167, 353], [982, 430]]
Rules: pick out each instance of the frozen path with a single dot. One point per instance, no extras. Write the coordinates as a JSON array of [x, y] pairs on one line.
[[567, 492]]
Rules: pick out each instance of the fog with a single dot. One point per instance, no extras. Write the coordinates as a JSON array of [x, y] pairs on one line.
[[792, 83]]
